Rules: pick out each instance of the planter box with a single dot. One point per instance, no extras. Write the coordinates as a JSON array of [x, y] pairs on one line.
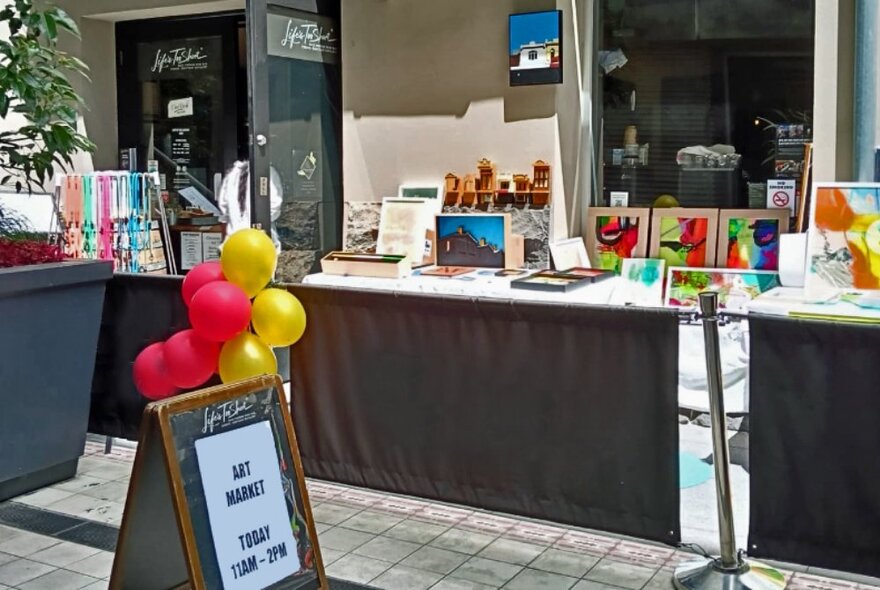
[[51, 315]]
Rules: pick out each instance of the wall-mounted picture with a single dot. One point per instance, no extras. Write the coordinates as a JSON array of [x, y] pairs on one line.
[[735, 288], [536, 48], [433, 193], [641, 282], [569, 253], [403, 227], [615, 234], [473, 240], [749, 238], [843, 247], [684, 236]]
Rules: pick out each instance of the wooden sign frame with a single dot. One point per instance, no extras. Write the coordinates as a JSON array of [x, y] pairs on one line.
[[158, 545]]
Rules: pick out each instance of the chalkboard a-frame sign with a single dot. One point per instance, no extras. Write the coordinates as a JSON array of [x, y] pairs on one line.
[[217, 497]]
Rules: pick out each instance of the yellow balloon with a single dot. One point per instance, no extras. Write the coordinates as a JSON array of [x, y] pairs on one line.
[[248, 260], [246, 356], [278, 317]]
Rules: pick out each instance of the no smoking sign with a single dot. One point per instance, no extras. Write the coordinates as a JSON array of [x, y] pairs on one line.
[[780, 194]]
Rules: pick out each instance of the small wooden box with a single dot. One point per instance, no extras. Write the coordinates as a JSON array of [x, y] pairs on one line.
[[383, 266]]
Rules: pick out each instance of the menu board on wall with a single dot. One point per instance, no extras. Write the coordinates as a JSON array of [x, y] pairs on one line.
[[300, 35]]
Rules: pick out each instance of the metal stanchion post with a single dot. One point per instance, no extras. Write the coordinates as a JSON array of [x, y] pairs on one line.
[[729, 571]]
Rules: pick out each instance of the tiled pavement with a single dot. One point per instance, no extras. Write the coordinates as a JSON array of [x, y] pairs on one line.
[[382, 540]]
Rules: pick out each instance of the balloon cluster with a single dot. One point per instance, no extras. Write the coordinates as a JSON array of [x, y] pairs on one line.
[[235, 322]]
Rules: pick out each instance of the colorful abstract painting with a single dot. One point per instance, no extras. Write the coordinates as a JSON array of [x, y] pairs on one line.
[[684, 237], [735, 288], [843, 251], [615, 234], [641, 282], [750, 239]]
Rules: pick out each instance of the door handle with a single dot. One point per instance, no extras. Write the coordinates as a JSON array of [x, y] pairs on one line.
[[261, 140]]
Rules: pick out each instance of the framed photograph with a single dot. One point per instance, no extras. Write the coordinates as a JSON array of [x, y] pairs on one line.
[[641, 282], [615, 234], [535, 48], [749, 238], [843, 242], [569, 253], [430, 192], [403, 228], [735, 287], [551, 280], [594, 274], [684, 237], [473, 240]]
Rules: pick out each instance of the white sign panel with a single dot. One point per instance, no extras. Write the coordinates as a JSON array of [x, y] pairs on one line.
[[250, 524], [781, 194], [197, 199], [190, 249], [619, 199], [182, 107], [211, 246]]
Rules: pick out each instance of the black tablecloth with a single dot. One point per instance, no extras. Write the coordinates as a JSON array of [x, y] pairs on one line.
[[566, 413], [815, 440]]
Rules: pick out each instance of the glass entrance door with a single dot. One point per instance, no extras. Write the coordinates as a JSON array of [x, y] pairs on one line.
[[295, 111]]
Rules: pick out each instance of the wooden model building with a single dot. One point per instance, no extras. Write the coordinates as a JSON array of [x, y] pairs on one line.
[[452, 192], [489, 187], [485, 184], [522, 190], [541, 184], [504, 190], [469, 191]]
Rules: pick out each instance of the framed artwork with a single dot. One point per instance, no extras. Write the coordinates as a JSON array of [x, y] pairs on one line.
[[641, 282], [735, 287], [433, 193], [843, 242], [569, 253], [684, 236], [473, 240], [535, 48], [615, 234], [749, 238], [553, 281], [403, 227]]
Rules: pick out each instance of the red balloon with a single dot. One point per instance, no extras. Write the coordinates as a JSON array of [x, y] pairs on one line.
[[191, 360], [220, 311], [151, 373], [198, 277]]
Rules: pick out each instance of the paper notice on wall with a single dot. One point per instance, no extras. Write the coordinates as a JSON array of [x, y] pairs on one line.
[[781, 194], [182, 107], [197, 199], [190, 249], [211, 246], [619, 199]]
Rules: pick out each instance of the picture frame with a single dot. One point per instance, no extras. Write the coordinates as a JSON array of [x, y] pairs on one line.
[[641, 282], [552, 281], [749, 238], [684, 236], [477, 240], [535, 48], [615, 234], [735, 287], [431, 192], [569, 253], [404, 224]]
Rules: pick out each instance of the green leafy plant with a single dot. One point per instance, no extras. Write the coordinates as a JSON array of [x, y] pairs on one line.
[[34, 84]]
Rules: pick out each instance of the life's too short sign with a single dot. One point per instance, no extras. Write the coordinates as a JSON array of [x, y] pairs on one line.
[[250, 525]]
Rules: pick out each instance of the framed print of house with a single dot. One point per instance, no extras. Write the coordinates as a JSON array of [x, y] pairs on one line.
[[535, 48], [474, 240]]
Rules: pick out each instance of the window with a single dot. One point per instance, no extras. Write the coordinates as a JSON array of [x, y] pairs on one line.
[[533, 55]]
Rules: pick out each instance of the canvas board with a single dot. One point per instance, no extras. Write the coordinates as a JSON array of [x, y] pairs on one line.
[[615, 234], [403, 227], [569, 254], [684, 236], [641, 282], [474, 240], [735, 287], [749, 238]]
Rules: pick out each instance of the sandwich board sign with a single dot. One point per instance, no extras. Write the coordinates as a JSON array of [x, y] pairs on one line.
[[217, 497]]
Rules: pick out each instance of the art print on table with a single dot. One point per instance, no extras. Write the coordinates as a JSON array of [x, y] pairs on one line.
[[615, 234], [472, 240], [684, 237], [750, 238], [403, 227], [536, 48], [735, 288], [843, 247], [569, 253], [641, 282]]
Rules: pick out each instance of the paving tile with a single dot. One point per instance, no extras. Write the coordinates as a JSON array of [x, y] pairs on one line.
[[590, 585], [436, 560], [402, 507], [20, 571], [841, 577], [662, 580], [454, 584], [6, 558], [641, 554], [511, 551], [387, 549], [406, 578], [112, 490], [63, 554], [416, 531], [99, 585], [810, 581], [357, 498], [330, 513], [530, 579], [564, 562], [320, 527], [59, 580], [97, 565], [486, 523], [371, 522], [355, 568], [486, 571], [26, 544], [440, 514], [624, 575], [42, 498], [330, 555], [108, 470], [538, 534], [586, 543], [462, 541], [343, 539], [85, 507], [79, 483]]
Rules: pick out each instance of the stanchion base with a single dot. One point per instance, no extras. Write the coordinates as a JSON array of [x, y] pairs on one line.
[[706, 574]]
